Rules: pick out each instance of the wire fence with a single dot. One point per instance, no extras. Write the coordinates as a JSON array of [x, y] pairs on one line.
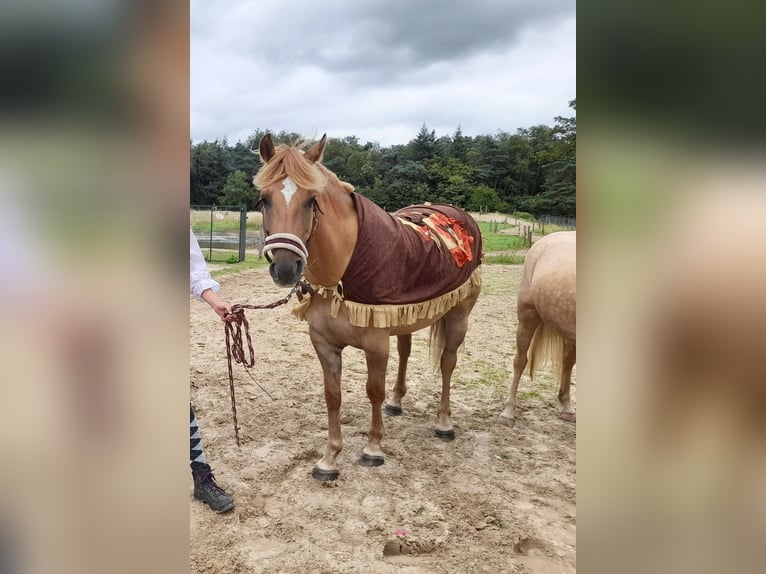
[[565, 222], [224, 233]]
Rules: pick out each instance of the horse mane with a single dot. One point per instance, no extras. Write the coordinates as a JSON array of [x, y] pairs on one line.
[[289, 161]]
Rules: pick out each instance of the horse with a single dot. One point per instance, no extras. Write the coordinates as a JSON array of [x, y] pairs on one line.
[[547, 317], [366, 275]]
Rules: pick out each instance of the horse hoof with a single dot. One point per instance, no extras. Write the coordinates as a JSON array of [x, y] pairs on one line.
[[370, 460], [505, 421], [392, 410], [445, 435], [569, 417], [324, 475]]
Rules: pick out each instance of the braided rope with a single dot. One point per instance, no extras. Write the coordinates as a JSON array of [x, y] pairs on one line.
[[235, 323]]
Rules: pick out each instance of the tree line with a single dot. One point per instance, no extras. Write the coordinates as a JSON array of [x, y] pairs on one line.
[[533, 170]]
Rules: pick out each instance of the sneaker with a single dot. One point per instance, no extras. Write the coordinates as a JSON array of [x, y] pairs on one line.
[[207, 491]]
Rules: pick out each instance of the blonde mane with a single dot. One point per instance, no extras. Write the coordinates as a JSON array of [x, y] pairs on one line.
[[289, 161]]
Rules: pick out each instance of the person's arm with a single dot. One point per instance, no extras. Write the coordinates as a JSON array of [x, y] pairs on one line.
[[201, 284]]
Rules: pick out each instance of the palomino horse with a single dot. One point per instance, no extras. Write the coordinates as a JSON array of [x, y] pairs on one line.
[[547, 316], [370, 275]]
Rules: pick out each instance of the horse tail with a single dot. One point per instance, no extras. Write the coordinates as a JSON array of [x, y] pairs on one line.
[[546, 344], [436, 341]]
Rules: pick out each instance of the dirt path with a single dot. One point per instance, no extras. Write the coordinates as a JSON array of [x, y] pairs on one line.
[[494, 500]]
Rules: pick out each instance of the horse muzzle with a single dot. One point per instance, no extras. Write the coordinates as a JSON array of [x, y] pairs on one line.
[[286, 271], [287, 255]]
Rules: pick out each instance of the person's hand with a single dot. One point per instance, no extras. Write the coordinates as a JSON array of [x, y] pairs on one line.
[[222, 308], [219, 306]]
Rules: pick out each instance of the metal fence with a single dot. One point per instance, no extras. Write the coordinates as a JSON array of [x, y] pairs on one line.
[[566, 222], [223, 232]]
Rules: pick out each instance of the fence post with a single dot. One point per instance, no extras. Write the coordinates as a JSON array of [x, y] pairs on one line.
[[210, 246], [242, 232]]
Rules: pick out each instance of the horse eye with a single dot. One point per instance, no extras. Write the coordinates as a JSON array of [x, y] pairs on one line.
[[312, 203], [262, 202]]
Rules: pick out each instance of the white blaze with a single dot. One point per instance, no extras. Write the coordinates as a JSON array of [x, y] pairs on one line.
[[288, 189]]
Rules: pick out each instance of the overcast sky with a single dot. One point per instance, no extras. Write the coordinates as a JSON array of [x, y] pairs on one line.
[[379, 69]]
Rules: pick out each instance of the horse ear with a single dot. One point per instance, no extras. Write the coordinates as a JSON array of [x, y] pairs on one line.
[[316, 151], [266, 148]]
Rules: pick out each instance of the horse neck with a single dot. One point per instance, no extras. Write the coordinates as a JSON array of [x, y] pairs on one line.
[[334, 238]]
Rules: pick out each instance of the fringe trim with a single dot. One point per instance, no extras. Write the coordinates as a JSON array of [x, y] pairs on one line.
[[382, 316]]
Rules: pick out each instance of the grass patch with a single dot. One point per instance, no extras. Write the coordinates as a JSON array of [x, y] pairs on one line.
[[494, 241], [490, 226], [511, 259], [251, 262], [531, 394], [488, 375], [201, 227], [498, 242], [553, 228]]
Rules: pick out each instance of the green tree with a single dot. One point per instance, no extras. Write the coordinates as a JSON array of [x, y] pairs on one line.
[[460, 144], [423, 147], [559, 195], [485, 198], [207, 172], [449, 180], [238, 191], [406, 183], [533, 169]]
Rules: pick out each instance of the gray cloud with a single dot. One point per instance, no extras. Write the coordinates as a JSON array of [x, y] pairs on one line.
[[379, 67], [408, 33]]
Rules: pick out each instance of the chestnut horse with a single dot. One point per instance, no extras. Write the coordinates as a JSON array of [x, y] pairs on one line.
[[547, 317], [363, 284]]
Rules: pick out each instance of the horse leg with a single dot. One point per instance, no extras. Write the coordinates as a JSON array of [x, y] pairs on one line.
[[570, 356], [455, 327], [376, 352], [394, 404], [331, 359], [529, 320]]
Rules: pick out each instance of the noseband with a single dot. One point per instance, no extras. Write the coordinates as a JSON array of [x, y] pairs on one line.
[[285, 241], [291, 242]]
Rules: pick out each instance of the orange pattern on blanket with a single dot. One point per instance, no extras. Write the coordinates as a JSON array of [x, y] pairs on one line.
[[451, 233]]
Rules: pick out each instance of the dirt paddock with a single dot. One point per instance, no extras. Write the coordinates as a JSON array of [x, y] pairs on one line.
[[493, 500]]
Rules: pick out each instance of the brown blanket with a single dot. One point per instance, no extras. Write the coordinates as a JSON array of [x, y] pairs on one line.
[[417, 254]]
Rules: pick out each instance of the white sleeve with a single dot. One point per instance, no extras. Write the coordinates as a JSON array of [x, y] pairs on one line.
[[199, 278]]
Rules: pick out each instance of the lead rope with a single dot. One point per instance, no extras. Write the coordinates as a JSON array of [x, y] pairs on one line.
[[234, 323]]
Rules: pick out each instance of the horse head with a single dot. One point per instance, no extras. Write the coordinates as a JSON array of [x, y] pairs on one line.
[[289, 182]]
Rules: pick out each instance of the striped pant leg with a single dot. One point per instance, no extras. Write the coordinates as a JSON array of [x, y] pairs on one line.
[[196, 454]]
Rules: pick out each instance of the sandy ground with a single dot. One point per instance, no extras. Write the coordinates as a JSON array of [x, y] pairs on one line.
[[494, 500]]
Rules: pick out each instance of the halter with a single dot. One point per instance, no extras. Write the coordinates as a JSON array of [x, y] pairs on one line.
[[285, 241], [291, 242]]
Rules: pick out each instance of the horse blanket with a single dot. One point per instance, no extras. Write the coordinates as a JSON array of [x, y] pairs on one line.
[[416, 254], [413, 264]]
